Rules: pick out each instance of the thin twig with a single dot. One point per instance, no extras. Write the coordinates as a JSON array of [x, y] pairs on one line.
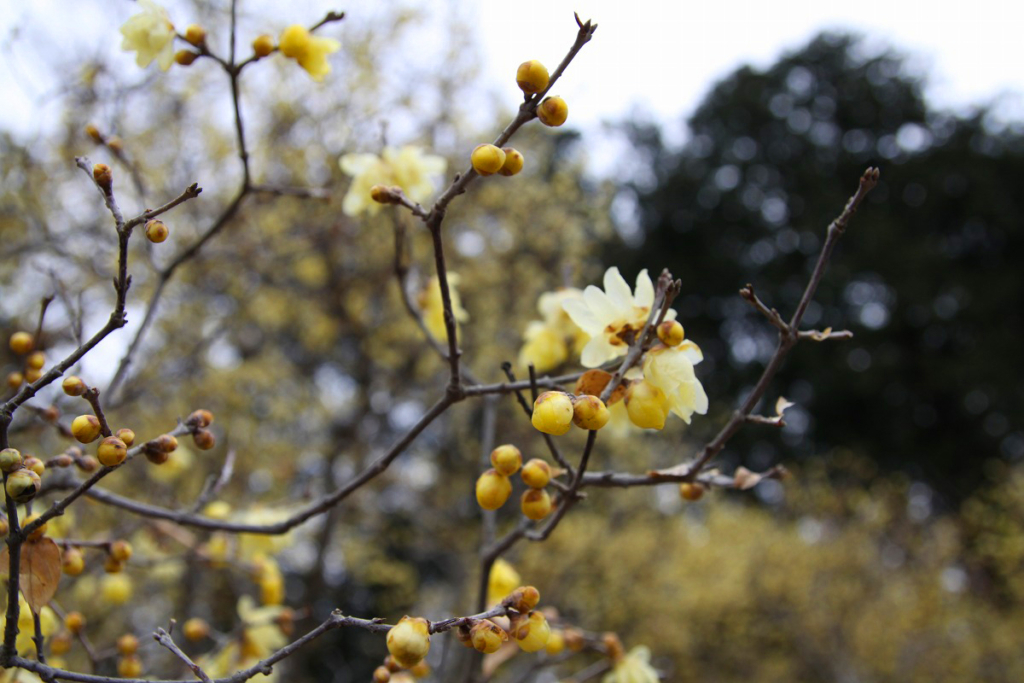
[[164, 638]]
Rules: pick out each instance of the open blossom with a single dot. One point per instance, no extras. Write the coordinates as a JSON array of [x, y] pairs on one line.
[[550, 342], [261, 636], [612, 317], [150, 34], [634, 667], [408, 167], [308, 50], [433, 306], [670, 369]]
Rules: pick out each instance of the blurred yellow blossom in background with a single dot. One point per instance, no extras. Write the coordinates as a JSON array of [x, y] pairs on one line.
[[551, 341], [433, 306], [308, 50], [150, 34], [408, 167]]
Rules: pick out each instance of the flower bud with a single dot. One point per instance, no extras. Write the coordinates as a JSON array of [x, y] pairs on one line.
[[536, 504], [574, 639], [532, 77], [487, 636], [553, 111], [116, 589], [613, 646], [487, 159], [112, 451], [93, 132], [195, 629], [36, 360], [195, 34], [115, 143], [556, 643], [157, 457], [531, 631], [204, 439], [409, 641], [492, 490], [671, 333], [112, 565], [10, 459], [165, 443], [421, 670], [185, 57], [382, 194], [72, 562], [507, 459], [127, 644], [552, 413], [22, 343], [35, 464], [87, 463], [74, 622], [199, 418], [156, 231], [263, 45], [513, 161], [104, 177], [590, 412], [691, 491], [22, 485], [121, 551], [32, 374], [60, 643], [126, 435], [129, 667], [646, 405], [522, 599], [73, 386], [15, 380], [62, 460], [38, 532], [85, 428], [381, 675], [536, 473]]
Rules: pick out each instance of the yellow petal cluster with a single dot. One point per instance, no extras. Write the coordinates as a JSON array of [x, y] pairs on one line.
[[613, 316], [635, 667], [150, 34], [432, 306], [502, 580], [670, 369], [308, 50], [408, 167], [549, 342]]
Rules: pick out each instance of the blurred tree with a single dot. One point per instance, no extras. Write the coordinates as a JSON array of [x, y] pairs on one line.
[[931, 381]]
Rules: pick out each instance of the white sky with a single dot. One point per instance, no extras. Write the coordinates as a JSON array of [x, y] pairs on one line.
[[651, 56]]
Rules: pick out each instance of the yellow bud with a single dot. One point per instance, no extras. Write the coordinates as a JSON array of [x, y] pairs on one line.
[[38, 533], [507, 459], [103, 176], [532, 77], [156, 231], [523, 599], [121, 551], [420, 670], [36, 360], [492, 490], [552, 413], [85, 428], [574, 639], [382, 194], [116, 589], [22, 343], [531, 632], [536, 473], [381, 675], [409, 641], [613, 646], [129, 667], [127, 644], [204, 439], [536, 504], [263, 45], [487, 159], [34, 464], [513, 161], [195, 629], [126, 435], [73, 386], [74, 622], [218, 509], [671, 333], [22, 485], [590, 412], [556, 643], [32, 374], [185, 57], [112, 451], [195, 34], [115, 143], [15, 380], [112, 565], [294, 42], [93, 132], [553, 111], [646, 405], [200, 418], [72, 562], [487, 636], [60, 643], [10, 459], [691, 492]]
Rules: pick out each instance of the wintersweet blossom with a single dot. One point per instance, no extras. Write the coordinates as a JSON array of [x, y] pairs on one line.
[[502, 580], [432, 306], [670, 369], [150, 34], [550, 342], [261, 636], [308, 50], [634, 667], [612, 317], [408, 167]]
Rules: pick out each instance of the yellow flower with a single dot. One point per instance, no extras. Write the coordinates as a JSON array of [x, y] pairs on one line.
[[502, 580], [635, 667], [150, 33], [613, 316], [670, 369], [433, 306], [549, 342], [308, 50], [409, 168], [261, 636], [48, 622]]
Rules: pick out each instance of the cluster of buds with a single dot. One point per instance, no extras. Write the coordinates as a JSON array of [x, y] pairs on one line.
[[23, 474], [494, 487], [24, 344], [527, 626], [490, 159], [555, 412], [532, 77], [198, 422]]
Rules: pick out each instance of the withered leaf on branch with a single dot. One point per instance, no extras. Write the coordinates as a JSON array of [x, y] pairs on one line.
[[39, 571], [782, 404], [745, 479]]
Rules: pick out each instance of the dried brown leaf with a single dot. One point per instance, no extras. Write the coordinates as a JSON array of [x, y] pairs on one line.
[[744, 479], [782, 404], [40, 572]]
